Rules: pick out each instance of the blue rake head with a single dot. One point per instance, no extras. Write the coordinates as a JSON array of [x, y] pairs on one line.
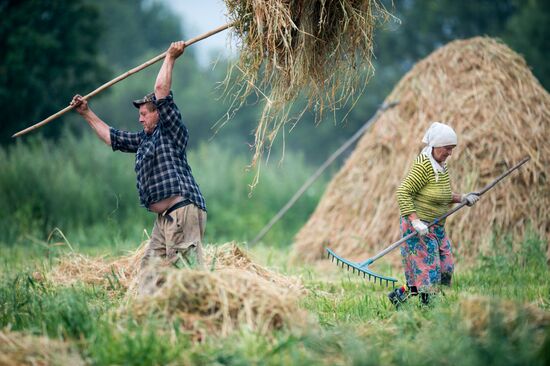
[[362, 268]]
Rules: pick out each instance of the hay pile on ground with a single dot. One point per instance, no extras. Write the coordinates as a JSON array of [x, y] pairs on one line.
[[114, 273], [501, 114], [20, 349], [320, 48], [233, 291], [230, 255], [120, 274], [217, 303]]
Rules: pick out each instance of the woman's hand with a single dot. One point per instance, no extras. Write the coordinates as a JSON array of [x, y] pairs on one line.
[[470, 198], [420, 227]]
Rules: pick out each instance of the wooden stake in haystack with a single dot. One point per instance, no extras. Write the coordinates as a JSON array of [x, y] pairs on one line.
[[321, 48]]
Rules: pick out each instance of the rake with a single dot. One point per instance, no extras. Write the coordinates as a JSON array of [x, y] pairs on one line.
[[363, 269]]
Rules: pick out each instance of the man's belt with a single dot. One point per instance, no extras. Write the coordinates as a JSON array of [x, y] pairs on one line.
[[174, 207]]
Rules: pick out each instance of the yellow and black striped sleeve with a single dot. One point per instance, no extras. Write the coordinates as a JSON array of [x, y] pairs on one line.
[[415, 180]]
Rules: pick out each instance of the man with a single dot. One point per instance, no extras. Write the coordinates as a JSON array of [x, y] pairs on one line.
[[164, 180]]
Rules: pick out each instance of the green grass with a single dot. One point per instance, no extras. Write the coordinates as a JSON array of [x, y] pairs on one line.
[[350, 320]]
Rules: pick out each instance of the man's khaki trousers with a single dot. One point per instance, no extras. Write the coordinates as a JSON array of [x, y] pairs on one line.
[[176, 240]]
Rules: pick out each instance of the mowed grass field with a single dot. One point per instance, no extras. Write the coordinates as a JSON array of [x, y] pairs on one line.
[[496, 313]]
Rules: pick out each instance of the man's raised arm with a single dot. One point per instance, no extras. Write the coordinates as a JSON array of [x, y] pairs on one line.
[[163, 83], [100, 127]]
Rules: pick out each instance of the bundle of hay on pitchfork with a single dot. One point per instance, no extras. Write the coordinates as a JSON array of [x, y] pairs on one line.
[[319, 48]]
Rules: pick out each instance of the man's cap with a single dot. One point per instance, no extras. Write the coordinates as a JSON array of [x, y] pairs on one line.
[[146, 99]]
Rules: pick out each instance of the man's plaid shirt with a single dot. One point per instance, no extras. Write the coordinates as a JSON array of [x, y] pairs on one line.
[[161, 161]]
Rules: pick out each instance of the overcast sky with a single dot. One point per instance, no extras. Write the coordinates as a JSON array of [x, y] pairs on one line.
[[201, 16]]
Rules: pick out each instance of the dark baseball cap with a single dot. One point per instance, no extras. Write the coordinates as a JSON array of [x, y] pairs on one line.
[[146, 99]]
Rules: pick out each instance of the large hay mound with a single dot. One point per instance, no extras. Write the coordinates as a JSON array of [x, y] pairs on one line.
[[501, 114], [20, 349]]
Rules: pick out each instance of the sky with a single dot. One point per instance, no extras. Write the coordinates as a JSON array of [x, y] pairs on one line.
[[199, 17]]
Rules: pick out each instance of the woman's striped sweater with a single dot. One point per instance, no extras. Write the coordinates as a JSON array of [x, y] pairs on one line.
[[419, 192]]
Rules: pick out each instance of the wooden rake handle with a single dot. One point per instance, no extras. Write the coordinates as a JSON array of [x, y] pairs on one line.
[[121, 77]]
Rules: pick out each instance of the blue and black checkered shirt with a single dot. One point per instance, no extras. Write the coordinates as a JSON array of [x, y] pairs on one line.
[[161, 161]]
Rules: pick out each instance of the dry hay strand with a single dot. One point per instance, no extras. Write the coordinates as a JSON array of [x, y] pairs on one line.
[[501, 114], [320, 48], [19, 349], [220, 302], [480, 313]]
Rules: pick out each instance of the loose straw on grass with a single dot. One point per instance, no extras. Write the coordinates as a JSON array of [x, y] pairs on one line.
[[501, 114]]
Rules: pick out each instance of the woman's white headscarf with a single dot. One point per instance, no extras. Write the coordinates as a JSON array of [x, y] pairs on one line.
[[439, 134]]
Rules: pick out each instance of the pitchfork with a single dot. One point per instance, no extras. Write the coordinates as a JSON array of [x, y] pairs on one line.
[[362, 268]]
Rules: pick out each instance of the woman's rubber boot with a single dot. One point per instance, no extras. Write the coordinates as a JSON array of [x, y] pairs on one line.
[[425, 298], [398, 296]]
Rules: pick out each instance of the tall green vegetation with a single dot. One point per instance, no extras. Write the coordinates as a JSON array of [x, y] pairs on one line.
[[89, 192]]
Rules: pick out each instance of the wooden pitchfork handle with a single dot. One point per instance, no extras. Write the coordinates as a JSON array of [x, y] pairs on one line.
[[121, 77], [450, 212]]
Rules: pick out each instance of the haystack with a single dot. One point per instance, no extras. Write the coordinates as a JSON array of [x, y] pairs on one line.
[[501, 114], [20, 349]]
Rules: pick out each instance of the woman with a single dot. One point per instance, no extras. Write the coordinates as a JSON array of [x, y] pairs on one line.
[[424, 195]]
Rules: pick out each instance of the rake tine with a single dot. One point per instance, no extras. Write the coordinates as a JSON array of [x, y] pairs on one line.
[[361, 268]]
